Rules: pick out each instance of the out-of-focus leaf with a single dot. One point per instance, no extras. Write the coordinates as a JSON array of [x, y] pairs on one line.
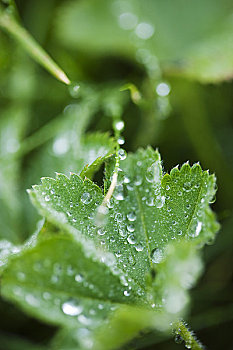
[[193, 40], [77, 284]]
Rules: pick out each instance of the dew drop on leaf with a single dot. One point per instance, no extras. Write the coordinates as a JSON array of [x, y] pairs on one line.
[[187, 186], [131, 216], [139, 248], [86, 198], [72, 307], [131, 228], [163, 89], [126, 180], [118, 193], [122, 154], [121, 140], [178, 339], [138, 181], [74, 90], [160, 200], [79, 278], [47, 198], [101, 232], [126, 293], [47, 296], [84, 320], [31, 300], [131, 239], [119, 125], [150, 202], [144, 30], [198, 228], [156, 255]]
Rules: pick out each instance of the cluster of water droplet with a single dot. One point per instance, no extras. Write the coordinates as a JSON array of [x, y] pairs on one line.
[[7, 249]]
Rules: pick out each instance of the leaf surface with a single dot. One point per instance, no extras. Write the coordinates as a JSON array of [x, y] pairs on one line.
[[78, 285], [90, 270], [147, 209]]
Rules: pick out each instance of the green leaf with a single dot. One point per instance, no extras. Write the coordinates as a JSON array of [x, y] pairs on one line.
[[9, 23], [113, 265], [147, 210], [77, 284], [194, 41], [71, 149]]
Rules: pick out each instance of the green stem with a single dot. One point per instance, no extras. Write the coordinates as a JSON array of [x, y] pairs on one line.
[[9, 24], [182, 333]]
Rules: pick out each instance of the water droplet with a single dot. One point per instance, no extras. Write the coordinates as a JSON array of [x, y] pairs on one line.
[[198, 228], [153, 173], [150, 202], [72, 307], [101, 232], [127, 21], [118, 253], [131, 216], [119, 217], [130, 228], [84, 320], [122, 154], [61, 146], [156, 255], [126, 293], [31, 300], [163, 89], [122, 233], [121, 140], [144, 30], [47, 199], [47, 296], [187, 186], [178, 339], [119, 125], [131, 239], [74, 90], [118, 193], [86, 198], [160, 200], [79, 278], [137, 181], [126, 180], [70, 270], [139, 248]]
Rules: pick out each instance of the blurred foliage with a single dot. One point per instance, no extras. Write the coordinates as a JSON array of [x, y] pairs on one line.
[[103, 45]]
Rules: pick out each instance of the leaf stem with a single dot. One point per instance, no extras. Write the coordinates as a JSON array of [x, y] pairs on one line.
[[182, 333], [20, 34]]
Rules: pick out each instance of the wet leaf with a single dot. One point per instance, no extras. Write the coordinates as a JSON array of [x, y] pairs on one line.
[[140, 252], [147, 209]]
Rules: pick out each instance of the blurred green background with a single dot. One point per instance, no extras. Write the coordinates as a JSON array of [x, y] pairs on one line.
[[179, 55]]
